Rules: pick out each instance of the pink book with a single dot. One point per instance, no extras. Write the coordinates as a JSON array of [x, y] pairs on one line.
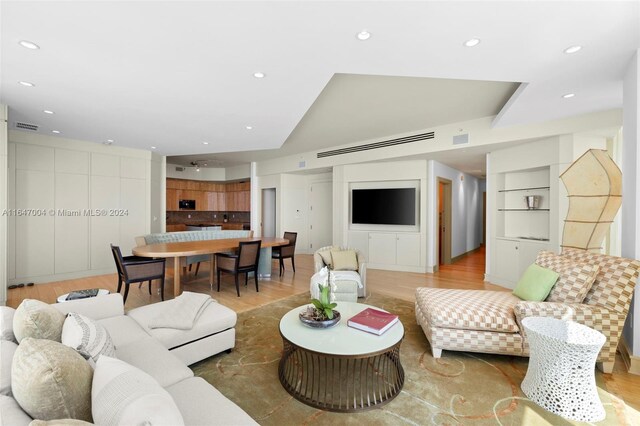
[[373, 321]]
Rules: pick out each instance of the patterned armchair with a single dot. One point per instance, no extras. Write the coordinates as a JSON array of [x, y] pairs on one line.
[[491, 321]]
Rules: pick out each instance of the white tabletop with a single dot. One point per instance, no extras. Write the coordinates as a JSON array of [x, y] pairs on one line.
[[564, 331], [63, 298], [339, 339]]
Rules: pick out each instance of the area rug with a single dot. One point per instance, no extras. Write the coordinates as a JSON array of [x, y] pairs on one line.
[[459, 388]]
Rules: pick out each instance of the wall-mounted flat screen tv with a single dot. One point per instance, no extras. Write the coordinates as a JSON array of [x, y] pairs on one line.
[[383, 206]]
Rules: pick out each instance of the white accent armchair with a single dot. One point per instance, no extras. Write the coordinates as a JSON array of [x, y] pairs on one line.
[[346, 290]]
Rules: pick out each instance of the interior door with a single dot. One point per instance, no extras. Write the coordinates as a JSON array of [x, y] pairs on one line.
[[320, 215]]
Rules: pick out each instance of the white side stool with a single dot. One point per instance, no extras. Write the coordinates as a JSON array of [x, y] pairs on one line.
[[561, 377]]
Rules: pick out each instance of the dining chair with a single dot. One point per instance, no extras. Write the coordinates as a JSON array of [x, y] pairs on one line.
[[136, 269], [286, 252], [245, 261]]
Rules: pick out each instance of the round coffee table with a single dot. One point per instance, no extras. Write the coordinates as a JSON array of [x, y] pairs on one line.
[[340, 368]]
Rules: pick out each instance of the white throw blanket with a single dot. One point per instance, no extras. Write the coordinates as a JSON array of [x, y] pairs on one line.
[[184, 312], [347, 276]]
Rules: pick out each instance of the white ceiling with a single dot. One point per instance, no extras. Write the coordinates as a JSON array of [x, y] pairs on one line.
[[176, 74]]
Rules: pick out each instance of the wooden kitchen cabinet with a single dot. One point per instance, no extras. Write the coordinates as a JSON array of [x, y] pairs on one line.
[[172, 199], [209, 196]]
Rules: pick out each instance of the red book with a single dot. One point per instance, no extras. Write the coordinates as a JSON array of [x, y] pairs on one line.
[[373, 321]]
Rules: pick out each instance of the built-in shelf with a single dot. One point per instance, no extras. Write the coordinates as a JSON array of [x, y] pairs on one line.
[[523, 210], [524, 189]]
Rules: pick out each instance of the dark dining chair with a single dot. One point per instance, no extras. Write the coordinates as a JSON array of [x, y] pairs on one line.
[[245, 261], [286, 252], [136, 269]]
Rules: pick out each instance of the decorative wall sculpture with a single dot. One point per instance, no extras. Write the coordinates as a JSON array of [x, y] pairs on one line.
[[594, 188]]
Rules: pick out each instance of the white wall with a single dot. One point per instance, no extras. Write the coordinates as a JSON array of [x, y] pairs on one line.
[[158, 217], [3, 204], [630, 184], [54, 175], [243, 171], [205, 173], [466, 204], [481, 130], [221, 174]]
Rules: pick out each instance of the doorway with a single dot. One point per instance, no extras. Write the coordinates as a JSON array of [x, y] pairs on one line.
[[268, 212], [444, 221], [320, 215]]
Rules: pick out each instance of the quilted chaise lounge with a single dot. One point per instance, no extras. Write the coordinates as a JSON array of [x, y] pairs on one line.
[[491, 321]]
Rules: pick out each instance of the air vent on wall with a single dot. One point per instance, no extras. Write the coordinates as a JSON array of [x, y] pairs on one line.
[[461, 139], [26, 126], [179, 169], [376, 145]]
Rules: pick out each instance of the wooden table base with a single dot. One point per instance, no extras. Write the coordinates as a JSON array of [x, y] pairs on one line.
[[341, 383]]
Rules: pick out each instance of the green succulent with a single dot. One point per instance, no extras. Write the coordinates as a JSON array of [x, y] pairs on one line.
[[324, 305]]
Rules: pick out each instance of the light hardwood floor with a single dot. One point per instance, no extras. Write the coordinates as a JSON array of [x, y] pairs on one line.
[[467, 273]]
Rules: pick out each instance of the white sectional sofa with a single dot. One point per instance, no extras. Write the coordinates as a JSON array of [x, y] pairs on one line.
[[162, 353]]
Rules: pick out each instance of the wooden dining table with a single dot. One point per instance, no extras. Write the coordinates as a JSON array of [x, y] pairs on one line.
[[182, 249]]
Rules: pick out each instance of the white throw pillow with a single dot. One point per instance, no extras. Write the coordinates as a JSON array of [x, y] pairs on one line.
[[87, 336], [6, 323], [7, 350], [125, 395]]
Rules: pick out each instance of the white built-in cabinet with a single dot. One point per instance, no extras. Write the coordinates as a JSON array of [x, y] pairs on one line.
[[520, 232], [388, 250], [513, 257], [61, 236]]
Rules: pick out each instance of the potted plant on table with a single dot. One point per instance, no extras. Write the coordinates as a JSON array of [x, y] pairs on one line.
[[321, 314]]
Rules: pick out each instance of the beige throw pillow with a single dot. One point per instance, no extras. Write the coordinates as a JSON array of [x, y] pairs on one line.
[[326, 258], [38, 320], [51, 381], [575, 278], [345, 260]]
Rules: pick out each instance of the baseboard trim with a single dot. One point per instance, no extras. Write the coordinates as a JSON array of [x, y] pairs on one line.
[[630, 361], [455, 259]]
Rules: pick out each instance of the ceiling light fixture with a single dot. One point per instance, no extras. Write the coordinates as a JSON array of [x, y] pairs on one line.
[[26, 84], [153, 147], [472, 42], [205, 143], [248, 127], [363, 35], [28, 45], [572, 49], [110, 140], [258, 74], [46, 111], [568, 95], [55, 131]]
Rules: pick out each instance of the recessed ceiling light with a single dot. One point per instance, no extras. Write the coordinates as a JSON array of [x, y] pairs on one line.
[[472, 42], [572, 49], [205, 143], [46, 111], [258, 74], [248, 127], [153, 147], [110, 140], [363, 35], [55, 131], [568, 95], [29, 45], [26, 83]]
